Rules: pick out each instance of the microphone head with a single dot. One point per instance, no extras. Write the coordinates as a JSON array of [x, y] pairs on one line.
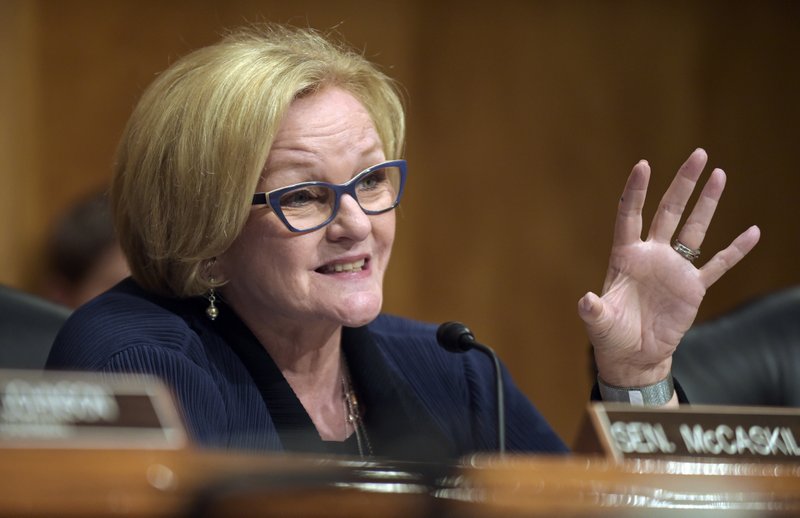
[[455, 337]]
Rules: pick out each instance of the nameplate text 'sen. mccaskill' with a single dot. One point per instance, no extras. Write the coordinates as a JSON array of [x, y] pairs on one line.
[[717, 433]]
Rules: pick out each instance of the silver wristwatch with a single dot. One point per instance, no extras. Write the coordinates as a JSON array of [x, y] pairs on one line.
[[658, 394]]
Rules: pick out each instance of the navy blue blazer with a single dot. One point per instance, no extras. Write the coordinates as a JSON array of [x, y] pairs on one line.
[[420, 401]]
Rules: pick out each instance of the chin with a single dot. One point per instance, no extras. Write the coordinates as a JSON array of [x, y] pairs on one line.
[[360, 310]]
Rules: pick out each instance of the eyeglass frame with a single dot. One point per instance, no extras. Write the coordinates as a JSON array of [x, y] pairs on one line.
[[272, 198]]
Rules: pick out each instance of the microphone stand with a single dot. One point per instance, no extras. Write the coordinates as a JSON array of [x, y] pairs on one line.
[[457, 338], [501, 405]]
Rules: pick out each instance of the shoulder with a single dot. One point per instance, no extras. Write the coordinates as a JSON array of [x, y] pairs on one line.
[[123, 318], [462, 383], [392, 327], [749, 355], [770, 322], [411, 346], [407, 339]]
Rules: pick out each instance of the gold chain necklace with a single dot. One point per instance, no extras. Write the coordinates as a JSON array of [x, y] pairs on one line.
[[353, 414]]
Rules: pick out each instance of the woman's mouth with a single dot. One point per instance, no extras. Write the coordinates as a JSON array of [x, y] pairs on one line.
[[355, 266]]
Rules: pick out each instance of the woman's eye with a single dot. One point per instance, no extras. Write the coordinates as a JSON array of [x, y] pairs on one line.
[[298, 198], [372, 180]]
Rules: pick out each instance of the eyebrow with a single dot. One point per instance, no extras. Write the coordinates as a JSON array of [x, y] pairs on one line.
[[290, 167], [297, 167]]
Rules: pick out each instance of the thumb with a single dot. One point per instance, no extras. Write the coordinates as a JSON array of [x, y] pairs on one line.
[[593, 312]]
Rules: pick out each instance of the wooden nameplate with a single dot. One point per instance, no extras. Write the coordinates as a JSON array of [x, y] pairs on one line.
[[692, 432], [87, 410]]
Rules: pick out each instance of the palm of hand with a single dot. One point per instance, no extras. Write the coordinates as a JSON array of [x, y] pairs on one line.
[[653, 295]]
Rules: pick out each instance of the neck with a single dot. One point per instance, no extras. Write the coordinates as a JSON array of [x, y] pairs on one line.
[[310, 358], [305, 354], [302, 349]]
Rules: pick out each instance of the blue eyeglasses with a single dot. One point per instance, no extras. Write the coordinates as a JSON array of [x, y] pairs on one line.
[[307, 206]]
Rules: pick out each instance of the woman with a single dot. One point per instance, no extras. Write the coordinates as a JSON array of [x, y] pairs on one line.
[[253, 195]]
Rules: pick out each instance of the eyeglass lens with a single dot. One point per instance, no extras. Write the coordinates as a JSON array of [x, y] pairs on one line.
[[308, 206]]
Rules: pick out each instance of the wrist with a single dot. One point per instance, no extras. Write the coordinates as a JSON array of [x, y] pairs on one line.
[[622, 372], [660, 393]]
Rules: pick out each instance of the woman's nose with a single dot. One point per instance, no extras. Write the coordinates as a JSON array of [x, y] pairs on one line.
[[350, 221]]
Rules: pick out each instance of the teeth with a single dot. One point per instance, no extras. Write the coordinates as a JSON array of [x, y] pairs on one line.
[[346, 267]]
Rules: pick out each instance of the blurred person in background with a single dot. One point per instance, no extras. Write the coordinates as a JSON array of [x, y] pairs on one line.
[[83, 256]]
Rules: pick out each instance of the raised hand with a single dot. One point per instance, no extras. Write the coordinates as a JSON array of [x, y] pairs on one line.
[[652, 291]]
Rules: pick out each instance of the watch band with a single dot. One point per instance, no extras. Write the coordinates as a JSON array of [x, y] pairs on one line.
[[658, 394]]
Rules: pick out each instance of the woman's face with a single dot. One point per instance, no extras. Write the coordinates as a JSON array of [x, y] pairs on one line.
[[281, 277]]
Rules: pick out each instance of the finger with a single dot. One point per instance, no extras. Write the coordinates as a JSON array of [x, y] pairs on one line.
[[726, 259], [674, 200], [628, 226], [592, 311], [696, 226]]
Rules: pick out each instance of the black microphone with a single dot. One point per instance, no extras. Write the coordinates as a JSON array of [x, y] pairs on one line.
[[457, 338]]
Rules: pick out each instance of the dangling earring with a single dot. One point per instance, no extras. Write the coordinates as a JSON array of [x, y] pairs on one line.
[[212, 312]]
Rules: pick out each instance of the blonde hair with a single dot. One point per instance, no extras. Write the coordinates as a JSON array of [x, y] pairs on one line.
[[194, 148]]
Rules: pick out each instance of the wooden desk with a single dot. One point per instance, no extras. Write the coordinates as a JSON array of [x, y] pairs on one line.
[[594, 486], [151, 483]]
